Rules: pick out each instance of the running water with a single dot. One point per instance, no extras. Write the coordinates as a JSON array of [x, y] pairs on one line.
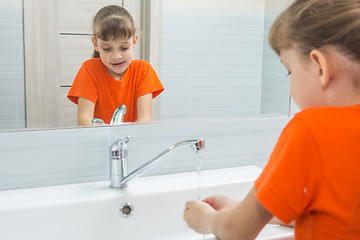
[[199, 162], [199, 166]]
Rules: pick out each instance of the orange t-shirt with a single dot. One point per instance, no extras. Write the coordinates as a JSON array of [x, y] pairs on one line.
[[313, 174], [94, 83]]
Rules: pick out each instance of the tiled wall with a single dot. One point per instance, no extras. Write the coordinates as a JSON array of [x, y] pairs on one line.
[[211, 58], [275, 84], [216, 60], [12, 103], [52, 157]]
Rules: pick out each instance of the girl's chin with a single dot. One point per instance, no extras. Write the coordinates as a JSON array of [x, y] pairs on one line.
[[116, 74], [117, 70]]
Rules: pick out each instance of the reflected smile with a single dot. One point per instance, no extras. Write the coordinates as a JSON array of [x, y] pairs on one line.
[[118, 64]]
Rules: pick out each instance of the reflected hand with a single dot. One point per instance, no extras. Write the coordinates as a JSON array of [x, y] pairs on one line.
[[197, 215], [219, 201]]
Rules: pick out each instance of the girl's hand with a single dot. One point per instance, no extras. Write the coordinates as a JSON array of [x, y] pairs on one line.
[[243, 220], [219, 201], [197, 215]]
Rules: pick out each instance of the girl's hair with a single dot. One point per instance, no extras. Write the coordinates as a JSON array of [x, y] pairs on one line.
[[112, 22], [313, 24]]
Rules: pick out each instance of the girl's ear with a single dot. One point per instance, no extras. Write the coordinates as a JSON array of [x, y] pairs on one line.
[[93, 39], [321, 67], [135, 40]]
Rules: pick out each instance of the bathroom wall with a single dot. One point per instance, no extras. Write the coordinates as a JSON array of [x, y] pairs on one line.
[[275, 82], [214, 52], [275, 92], [12, 103], [63, 156], [211, 54]]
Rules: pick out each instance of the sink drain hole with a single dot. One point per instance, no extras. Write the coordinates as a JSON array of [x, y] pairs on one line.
[[126, 209]]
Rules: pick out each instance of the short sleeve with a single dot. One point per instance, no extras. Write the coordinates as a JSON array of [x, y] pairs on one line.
[[85, 84], [289, 183], [148, 81]]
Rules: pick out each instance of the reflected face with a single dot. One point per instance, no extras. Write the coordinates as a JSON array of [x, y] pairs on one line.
[[116, 55], [305, 86]]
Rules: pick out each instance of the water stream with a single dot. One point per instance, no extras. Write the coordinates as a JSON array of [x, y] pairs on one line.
[[199, 165], [199, 184]]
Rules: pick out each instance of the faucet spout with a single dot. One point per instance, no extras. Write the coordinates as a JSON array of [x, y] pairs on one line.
[[117, 118], [118, 115], [196, 144]]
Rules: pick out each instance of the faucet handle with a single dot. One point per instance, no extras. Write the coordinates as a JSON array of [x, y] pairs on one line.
[[118, 161], [126, 139], [122, 143], [97, 122]]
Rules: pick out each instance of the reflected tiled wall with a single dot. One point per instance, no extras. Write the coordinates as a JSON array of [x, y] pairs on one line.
[[211, 58], [275, 84], [12, 91]]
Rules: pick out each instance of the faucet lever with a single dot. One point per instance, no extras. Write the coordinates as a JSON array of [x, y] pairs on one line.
[[97, 122], [118, 161], [119, 145]]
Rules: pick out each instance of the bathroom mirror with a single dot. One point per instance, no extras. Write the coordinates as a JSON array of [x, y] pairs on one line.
[[212, 57]]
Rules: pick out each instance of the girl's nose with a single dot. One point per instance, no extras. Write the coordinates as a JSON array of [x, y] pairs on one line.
[[117, 55]]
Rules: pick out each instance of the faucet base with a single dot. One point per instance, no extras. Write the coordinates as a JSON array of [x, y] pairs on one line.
[[119, 187]]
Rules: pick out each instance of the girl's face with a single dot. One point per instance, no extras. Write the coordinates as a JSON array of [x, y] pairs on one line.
[[116, 55], [305, 85]]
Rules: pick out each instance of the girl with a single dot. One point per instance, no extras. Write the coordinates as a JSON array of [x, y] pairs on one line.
[[112, 77], [313, 174]]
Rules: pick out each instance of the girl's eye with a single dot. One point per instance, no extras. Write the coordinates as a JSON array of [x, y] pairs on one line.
[[124, 49], [288, 74], [106, 49]]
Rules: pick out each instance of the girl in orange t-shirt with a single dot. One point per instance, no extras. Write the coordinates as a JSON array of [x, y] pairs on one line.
[[112, 78], [313, 174]]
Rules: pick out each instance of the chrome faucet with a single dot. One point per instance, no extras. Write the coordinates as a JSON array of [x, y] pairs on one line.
[[117, 117], [119, 159]]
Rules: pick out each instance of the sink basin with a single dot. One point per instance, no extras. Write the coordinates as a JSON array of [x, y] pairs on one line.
[[93, 211]]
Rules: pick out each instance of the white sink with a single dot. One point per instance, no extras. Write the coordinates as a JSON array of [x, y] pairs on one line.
[[91, 211]]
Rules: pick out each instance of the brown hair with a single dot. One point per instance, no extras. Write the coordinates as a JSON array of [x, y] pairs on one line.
[[313, 24], [112, 22]]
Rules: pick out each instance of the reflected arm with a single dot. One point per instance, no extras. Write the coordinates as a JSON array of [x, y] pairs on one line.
[[85, 112], [144, 108]]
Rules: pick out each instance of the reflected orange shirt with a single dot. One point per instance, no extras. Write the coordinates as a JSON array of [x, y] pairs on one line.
[[313, 174], [94, 83]]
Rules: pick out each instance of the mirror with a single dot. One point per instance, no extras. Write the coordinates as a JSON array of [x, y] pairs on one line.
[[212, 57]]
